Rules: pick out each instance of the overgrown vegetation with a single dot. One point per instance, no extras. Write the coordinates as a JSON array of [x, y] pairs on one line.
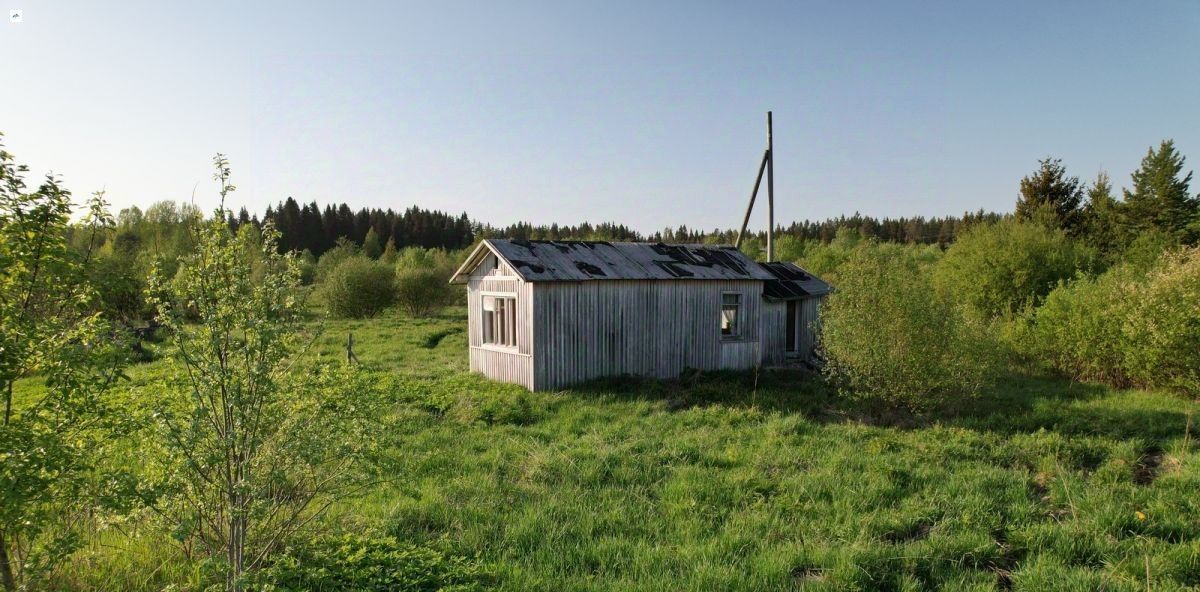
[[970, 431], [891, 338], [255, 448], [50, 480]]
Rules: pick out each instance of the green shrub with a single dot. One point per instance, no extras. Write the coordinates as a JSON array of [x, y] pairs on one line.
[[1125, 326], [1079, 328], [422, 292], [343, 250], [997, 269], [366, 564], [890, 338], [1163, 328], [359, 287], [308, 267]]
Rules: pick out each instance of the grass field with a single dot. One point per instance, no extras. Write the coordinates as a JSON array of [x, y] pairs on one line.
[[711, 483]]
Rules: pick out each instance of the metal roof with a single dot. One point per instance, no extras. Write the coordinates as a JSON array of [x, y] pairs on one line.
[[790, 282], [571, 261]]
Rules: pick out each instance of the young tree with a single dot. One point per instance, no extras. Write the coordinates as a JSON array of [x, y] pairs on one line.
[[1160, 197], [50, 438], [371, 247], [1102, 221], [261, 449], [389, 252], [1050, 185]]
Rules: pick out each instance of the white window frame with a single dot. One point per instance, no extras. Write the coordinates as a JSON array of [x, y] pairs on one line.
[[487, 323], [736, 334]]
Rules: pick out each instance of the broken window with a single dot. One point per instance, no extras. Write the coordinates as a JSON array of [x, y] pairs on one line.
[[731, 306], [500, 320]]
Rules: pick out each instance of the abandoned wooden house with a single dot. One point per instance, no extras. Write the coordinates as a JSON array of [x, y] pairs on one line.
[[546, 314]]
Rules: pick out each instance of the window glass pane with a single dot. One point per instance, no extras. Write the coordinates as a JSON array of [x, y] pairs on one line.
[[499, 320], [730, 305]]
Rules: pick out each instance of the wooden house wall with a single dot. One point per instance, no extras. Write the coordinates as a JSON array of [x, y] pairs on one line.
[[808, 326], [504, 364], [774, 331], [584, 330], [774, 327]]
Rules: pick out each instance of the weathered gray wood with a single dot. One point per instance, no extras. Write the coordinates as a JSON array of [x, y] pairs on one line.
[[572, 331], [586, 330]]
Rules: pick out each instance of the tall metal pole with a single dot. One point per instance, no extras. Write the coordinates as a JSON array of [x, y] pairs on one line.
[[770, 192]]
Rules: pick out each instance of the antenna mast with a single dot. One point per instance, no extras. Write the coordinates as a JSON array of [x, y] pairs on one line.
[[768, 165]]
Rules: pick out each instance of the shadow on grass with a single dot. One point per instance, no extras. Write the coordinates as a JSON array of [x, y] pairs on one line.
[[1015, 403]]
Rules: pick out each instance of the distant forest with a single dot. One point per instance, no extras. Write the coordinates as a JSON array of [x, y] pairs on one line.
[[317, 229]]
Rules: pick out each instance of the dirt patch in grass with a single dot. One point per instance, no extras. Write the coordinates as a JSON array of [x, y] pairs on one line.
[[1006, 563], [914, 532], [807, 575], [1148, 467]]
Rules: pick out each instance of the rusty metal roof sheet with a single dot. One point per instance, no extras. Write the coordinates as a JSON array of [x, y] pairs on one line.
[[790, 282], [567, 261]]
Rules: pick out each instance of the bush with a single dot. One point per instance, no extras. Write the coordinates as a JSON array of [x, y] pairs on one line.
[[997, 269], [359, 287], [422, 292], [1125, 326], [308, 267], [343, 250], [1163, 327], [366, 564], [1079, 328], [890, 338]]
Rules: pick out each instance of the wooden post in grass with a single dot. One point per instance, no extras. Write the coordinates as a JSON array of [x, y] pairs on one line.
[[350, 357]]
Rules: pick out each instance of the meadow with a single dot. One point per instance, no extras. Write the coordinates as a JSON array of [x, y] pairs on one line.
[[718, 481]]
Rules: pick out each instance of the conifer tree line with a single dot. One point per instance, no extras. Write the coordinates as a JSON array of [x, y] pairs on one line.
[[1159, 200], [315, 229]]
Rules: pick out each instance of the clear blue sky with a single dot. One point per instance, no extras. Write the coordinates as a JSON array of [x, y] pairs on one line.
[[651, 114]]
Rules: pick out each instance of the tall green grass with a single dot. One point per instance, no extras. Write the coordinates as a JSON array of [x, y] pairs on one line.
[[722, 482]]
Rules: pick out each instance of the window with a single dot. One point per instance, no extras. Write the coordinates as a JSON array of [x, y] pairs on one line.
[[500, 320], [731, 305]]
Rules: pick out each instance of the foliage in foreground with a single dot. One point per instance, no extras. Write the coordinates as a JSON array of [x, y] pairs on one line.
[[358, 563], [891, 338], [255, 448], [49, 444]]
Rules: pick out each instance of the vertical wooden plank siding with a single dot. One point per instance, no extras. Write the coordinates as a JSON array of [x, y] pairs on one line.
[[809, 326], [774, 331], [774, 327], [584, 330], [499, 363]]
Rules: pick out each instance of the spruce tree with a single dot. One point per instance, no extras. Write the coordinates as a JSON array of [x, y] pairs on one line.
[[1160, 197], [1050, 186], [1102, 220]]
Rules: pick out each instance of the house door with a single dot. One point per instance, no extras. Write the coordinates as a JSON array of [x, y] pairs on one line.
[[792, 311]]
